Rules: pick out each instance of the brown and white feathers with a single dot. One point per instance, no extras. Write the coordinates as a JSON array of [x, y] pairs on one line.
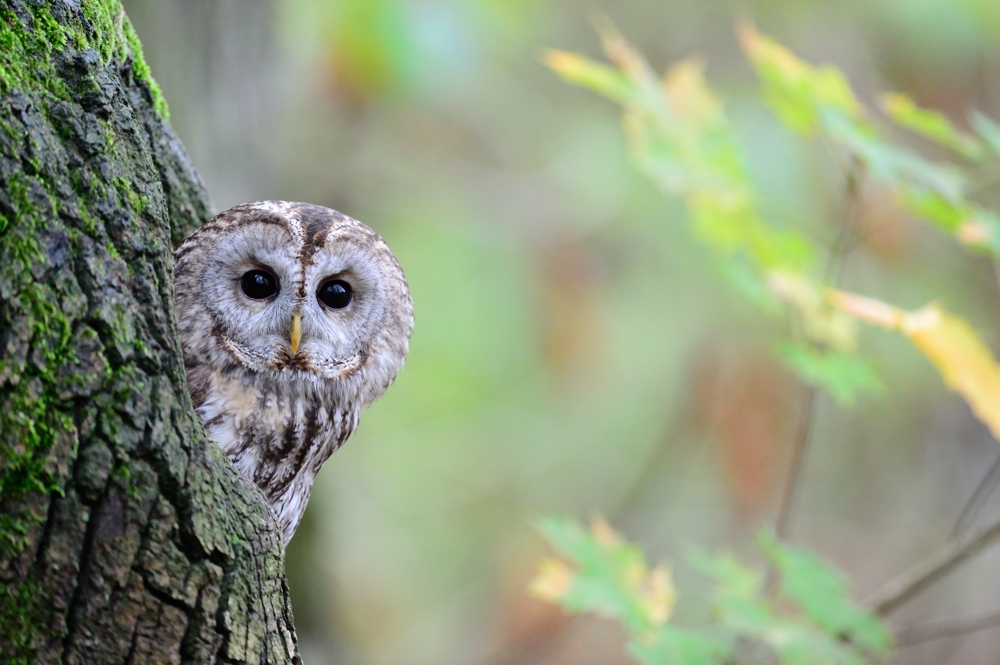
[[292, 318]]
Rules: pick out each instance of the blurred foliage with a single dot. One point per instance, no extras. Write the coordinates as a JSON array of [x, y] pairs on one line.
[[809, 619], [681, 139]]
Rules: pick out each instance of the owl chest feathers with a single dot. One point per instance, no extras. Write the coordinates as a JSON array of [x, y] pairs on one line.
[[278, 430]]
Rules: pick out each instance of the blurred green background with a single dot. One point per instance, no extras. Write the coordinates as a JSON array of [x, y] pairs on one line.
[[575, 352]]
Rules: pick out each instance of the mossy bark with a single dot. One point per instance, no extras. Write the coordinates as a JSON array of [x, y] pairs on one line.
[[125, 536]]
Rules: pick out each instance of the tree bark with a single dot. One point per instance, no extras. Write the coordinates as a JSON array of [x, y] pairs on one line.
[[125, 535]]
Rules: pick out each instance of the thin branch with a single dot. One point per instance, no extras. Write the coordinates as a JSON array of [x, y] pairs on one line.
[[845, 243], [627, 503], [910, 583], [842, 247], [933, 630], [989, 481], [798, 459], [976, 501]]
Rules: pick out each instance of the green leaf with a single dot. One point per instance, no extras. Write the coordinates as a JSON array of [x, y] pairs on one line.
[[749, 283], [809, 99], [843, 375], [801, 95], [895, 165], [678, 646], [736, 580], [610, 577], [933, 207], [970, 224], [988, 131], [741, 609], [931, 124], [600, 78], [822, 593]]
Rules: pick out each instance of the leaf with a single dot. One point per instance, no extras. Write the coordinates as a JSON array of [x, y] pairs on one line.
[[981, 230], [742, 610], [750, 284], [931, 124], [819, 322], [843, 375], [933, 207], [735, 579], [988, 131], [811, 99], [897, 166], [602, 79], [801, 95], [605, 575], [966, 364], [968, 223], [822, 593], [680, 138], [677, 646], [553, 580]]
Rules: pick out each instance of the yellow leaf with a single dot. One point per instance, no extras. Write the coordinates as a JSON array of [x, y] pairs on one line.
[[974, 233], [619, 51], [801, 94], [603, 532], [949, 342], [763, 50], [821, 323], [689, 97], [553, 580], [659, 596], [600, 78], [966, 364]]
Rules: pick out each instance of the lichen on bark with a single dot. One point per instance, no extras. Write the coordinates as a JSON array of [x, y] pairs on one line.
[[125, 536]]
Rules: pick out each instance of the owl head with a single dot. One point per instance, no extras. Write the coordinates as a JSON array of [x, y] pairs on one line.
[[293, 292]]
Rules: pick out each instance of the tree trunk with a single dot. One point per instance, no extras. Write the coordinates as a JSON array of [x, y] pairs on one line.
[[125, 535]]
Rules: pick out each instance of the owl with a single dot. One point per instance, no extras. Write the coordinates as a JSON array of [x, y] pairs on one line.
[[292, 319]]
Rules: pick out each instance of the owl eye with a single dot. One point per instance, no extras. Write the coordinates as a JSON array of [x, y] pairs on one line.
[[335, 293], [259, 284]]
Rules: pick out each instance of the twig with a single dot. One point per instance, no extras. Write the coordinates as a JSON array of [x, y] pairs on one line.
[[625, 506], [798, 459], [975, 502], [845, 243], [910, 583], [933, 630], [842, 247]]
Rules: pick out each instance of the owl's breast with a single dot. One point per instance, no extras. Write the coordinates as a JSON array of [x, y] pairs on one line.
[[278, 430]]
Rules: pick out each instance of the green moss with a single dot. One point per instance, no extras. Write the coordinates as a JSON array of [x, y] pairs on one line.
[[105, 16], [21, 615], [137, 203], [26, 55], [30, 418], [141, 70]]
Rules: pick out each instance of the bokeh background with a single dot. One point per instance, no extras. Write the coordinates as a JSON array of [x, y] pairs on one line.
[[575, 352]]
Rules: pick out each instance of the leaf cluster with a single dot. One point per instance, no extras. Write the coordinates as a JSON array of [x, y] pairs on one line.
[[681, 138], [809, 619]]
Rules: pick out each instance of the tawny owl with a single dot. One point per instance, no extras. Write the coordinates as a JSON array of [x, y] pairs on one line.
[[292, 318]]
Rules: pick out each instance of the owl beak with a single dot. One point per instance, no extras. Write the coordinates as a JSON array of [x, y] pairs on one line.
[[296, 333]]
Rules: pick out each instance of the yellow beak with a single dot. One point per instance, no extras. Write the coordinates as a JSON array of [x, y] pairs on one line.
[[296, 334]]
